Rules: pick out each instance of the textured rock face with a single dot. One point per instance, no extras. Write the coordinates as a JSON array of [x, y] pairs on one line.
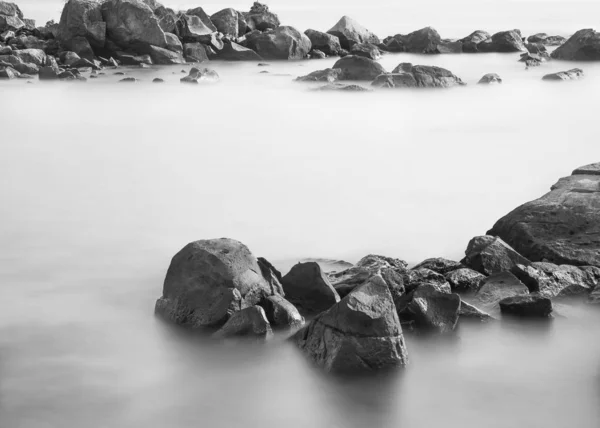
[[281, 313], [500, 286], [469, 43], [429, 76], [209, 280], [395, 80], [162, 56], [260, 18], [572, 74], [464, 279], [350, 32], [431, 309], [489, 79], [424, 41], [551, 280], [226, 22], [326, 43], [504, 41], [439, 265], [306, 286], [199, 13], [251, 322], [328, 75], [358, 68], [547, 40], [367, 50], [282, 43], [360, 333], [233, 52], [195, 52], [420, 276], [192, 29], [527, 306], [562, 226], [132, 21], [584, 45], [32, 56], [470, 312], [82, 18], [11, 17], [489, 255]]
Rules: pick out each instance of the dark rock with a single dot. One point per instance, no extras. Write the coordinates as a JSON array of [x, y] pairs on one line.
[[527, 306], [531, 59], [11, 17], [425, 76], [195, 75], [132, 21], [7, 73], [591, 169], [191, 29], [6, 36], [358, 68], [195, 52], [395, 80], [327, 43], [282, 43], [573, 74], [84, 63], [469, 43], [28, 42], [360, 333], [173, 43], [489, 79], [202, 15], [550, 280], [328, 75], [500, 286], [82, 18], [164, 56], [561, 227], [430, 309], [470, 312], [344, 88], [129, 80], [584, 45], [158, 80], [539, 49], [367, 50], [307, 287], [250, 322], [167, 19], [281, 313], [547, 40], [489, 255], [316, 54], [26, 68], [209, 280], [133, 59], [423, 41], [226, 21], [48, 73], [450, 47], [260, 18], [464, 279], [233, 52], [349, 32], [439, 265], [504, 41], [420, 276]]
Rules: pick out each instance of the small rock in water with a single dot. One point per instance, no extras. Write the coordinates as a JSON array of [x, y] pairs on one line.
[[500, 286], [342, 87], [470, 312], [263, 72], [489, 79], [263, 64], [430, 309], [251, 321], [143, 65], [527, 306], [573, 74], [328, 75], [196, 74], [120, 73], [158, 80], [129, 79]]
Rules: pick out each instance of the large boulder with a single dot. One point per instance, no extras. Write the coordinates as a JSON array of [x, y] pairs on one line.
[[281, 313], [250, 322], [350, 32], [419, 276], [470, 43], [584, 45], [550, 280], [469, 312], [500, 286], [192, 29], [32, 56], [420, 76], [360, 333], [430, 309], [11, 17], [358, 68], [423, 41], [489, 254], [307, 287], [562, 226], [464, 279], [82, 18], [531, 306], [233, 52], [209, 280], [167, 19], [195, 52], [282, 43], [367, 50], [326, 43], [260, 18], [226, 22], [395, 80], [132, 21], [594, 296], [162, 56], [81, 46], [504, 41], [439, 265]]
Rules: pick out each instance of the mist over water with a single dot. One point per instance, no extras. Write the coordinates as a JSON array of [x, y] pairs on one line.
[[102, 183]]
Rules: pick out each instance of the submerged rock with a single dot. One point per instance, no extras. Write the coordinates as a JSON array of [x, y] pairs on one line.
[[470, 43], [423, 41], [260, 18], [360, 333], [326, 43], [395, 80], [490, 254], [464, 279], [358, 68], [162, 56], [250, 322], [527, 306], [233, 52], [328, 75], [489, 79], [423, 76], [306, 286], [439, 265], [431, 309], [192, 29], [195, 52], [547, 40], [573, 74], [470, 312], [500, 286], [550, 280], [196, 75], [584, 45], [504, 41], [367, 50], [281, 313], [282, 43], [349, 32], [48, 73], [343, 87]]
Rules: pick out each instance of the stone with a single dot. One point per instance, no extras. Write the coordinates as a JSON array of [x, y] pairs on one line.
[[449, 47], [26, 68], [469, 43], [5, 50], [573, 74], [129, 80], [28, 42], [281, 313], [282, 43], [430, 309], [360, 333], [173, 43], [7, 73], [561, 227], [82, 18], [133, 58], [250, 322], [550, 280], [33, 56], [527, 306], [129, 22], [196, 74], [439, 265], [260, 18], [489, 79], [162, 56], [546, 40], [233, 52], [426, 76], [316, 54], [48, 73], [328, 75], [195, 52], [470, 312], [500, 286], [167, 19], [464, 279], [344, 88], [349, 32], [158, 80], [307, 287], [584, 45], [209, 280], [191, 29], [81, 47], [358, 68], [367, 50], [423, 41], [490, 254], [11, 17], [326, 43], [226, 22], [395, 80], [419, 276], [504, 41]]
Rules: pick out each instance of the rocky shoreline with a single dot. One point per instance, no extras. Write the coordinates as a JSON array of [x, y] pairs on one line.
[[93, 35], [543, 252]]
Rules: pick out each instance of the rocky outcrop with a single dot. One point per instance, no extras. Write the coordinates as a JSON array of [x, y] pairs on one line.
[[349, 32], [282, 43], [500, 286], [550, 280], [439, 265], [469, 43], [249, 322], [504, 41], [489, 79], [419, 276], [358, 68], [546, 40], [328, 75], [430, 309], [209, 280], [489, 255], [531, 306], [226, 21], [82, 18], [360, 333], [418, 76], [584, 45], [11, 17], [326, 43], [572, 74], [464, 279], [307, 287], [562, 226], [260, 18], [131, 21], [233, 52]]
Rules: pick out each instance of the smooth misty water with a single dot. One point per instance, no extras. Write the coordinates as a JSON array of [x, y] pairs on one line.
[[101, 183]]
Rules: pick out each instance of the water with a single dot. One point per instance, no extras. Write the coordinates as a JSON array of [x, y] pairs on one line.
[[101, 183]]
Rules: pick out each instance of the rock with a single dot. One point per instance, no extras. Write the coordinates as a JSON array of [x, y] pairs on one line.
[[469, 43], [129, 80], [464, 279], [489, 255], [28, 42], [367, 50], [158, 80], [349, 32], [550, 280], [594, 296], [573, 74], [131, 21], [226, 22], [439, 265], [260, 18], [430, 309], [500, 286], [420, 276], [6, 36], [326, 43], [316, 54], [504, 41], [591, 169], [584, 45], [26, 68], [48, 73], [195, 52], [167, 19], [424, 76], [530, 59], [282, 43], [470, 312], [5, 50], [281, 313], [250, 321], [561, 227], [450, 47], [82, 18], [360, 333], [307, 287], [544, 39], [423, 41], [209, 280], [345, 88], [133, 59], [173, 43], [527, 306], [11, 17], [33, 56], [199, 12], [233, 52], [328, 75], [489, 79], [196, 74], [191, 29], [358, 68], [81, 47], [538, 49], [7, 73], [395, 80], [162, 56]]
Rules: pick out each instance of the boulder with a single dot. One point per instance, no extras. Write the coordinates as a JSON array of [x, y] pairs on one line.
[[202, 15], [420, 276], [316, 54], [328, 75], [28, 42], [504, 41], [450, 47], [326, 43], [527, 306], [584, 45], [469, 43], [129, 80], [345, 88], [464, 279], [393, 43], [173, 43], [48, 73], [195, 52], [430, 309], [6, 36], [7, 73], [81, 47], [133, 58], [251, 322], [11, 17], [6, 50], [167, 19], [426, 76], [282, 43], [547, 40], [573, 74], [395, 80], [226, 22], [158, 80], [439, 265], [490, 254], [209, 280], [132, 21], [550, 280], [82, 18], [360, 333], [470, 312], [349, 32], [260, 18], [162, 56], [26, 68], [500, 286], [195, 75], [192, 29], [562, 226], [233, 52], [489, 79], [423, 41], [307, 287], [537, 48], [33, 56], [358, 68], [367, 50], [281, 313], [594, 296]]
